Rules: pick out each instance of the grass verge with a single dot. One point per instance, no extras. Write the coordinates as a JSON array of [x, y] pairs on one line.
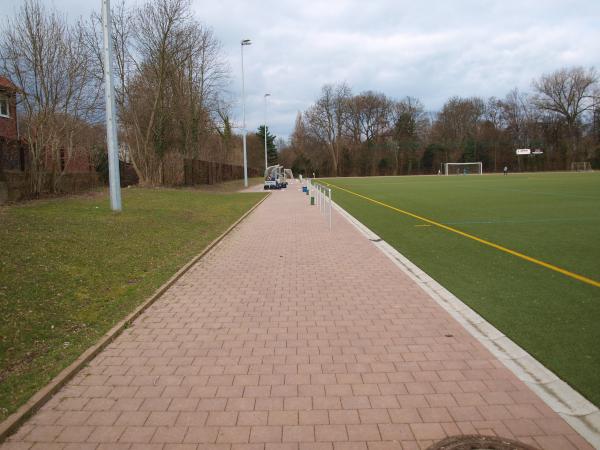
[[230, 186], [70, 269], [551, 217]]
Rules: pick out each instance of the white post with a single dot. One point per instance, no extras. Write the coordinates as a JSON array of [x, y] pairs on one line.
[[243, 43], [319, 197], [319, 194], [329, 209], [265, 130], [111, 126], [322, 200]]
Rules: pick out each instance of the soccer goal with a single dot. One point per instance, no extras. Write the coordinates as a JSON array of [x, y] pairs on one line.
[[584, 166], [463, 168]]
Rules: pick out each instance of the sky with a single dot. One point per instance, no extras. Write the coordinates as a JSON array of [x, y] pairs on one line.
[[428, 49]]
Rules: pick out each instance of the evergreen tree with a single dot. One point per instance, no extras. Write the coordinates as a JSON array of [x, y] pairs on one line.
[[272, 156]]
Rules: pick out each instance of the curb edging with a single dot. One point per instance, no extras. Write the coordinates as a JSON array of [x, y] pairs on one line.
[[9, 425]]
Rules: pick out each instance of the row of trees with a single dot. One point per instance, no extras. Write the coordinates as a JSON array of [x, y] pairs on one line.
[[171, 88], [370, 133]]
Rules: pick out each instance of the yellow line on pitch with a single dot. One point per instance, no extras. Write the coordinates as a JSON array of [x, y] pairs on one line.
[[475, 238]]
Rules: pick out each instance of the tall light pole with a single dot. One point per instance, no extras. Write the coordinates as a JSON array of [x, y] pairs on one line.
[[244, 43], [111, 125], [265, 131]]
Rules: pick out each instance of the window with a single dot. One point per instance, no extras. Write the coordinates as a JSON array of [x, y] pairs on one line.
[[4, 106]]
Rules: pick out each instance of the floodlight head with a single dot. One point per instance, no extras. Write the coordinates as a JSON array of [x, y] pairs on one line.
[[267, 95], [246, 42]]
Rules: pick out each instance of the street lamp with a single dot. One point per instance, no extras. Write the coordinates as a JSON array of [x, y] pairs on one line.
[[111, 117], [265, 131], [243, 43]]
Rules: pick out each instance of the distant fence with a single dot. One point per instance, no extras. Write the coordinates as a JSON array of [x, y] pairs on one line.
[[19, 187], [197, 171]]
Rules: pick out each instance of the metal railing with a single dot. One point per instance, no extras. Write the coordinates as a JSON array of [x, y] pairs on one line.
[[322, 196]]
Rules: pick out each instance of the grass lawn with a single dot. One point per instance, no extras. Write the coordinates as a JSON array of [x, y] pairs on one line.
[[230, 186], [70, 269], [554, 217]]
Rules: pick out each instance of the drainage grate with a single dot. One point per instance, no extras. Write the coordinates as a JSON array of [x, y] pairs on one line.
[[473, 442]]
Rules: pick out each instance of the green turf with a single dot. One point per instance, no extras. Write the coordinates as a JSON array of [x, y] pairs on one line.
[[553, 217], [70, 269]]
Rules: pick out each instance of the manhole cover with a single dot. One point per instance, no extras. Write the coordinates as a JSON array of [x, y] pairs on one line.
[[479, 443]]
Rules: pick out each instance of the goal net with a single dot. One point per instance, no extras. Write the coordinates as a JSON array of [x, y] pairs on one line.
[[584, 166], [463, 168]]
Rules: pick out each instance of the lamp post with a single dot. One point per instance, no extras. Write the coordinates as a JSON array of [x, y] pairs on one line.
[[265, 131], [244, 43], [111, 125]]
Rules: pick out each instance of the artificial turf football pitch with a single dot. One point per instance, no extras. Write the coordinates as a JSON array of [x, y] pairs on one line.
[[522, 250]]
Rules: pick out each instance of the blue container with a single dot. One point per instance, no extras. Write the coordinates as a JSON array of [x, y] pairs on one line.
[[304, 188]]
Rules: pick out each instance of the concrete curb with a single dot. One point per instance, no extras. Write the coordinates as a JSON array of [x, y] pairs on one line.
[[577, 411], [15, 420]]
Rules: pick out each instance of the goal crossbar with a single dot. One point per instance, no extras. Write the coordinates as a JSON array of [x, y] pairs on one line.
[[583, 166], [463, 168]]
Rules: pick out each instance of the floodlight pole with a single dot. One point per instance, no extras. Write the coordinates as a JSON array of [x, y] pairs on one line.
[[243, 43], [265, 131], [111, 126]]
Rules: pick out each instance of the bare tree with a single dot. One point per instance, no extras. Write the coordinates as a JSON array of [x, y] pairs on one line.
[[569, 94], [457, 124], [171, 77], [326, 119], [49, 62], [373, 110]]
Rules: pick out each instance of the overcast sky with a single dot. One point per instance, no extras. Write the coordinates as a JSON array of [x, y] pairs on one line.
[[427, 49]]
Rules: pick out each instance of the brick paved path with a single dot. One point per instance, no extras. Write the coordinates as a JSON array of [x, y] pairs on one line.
[[287, 336]]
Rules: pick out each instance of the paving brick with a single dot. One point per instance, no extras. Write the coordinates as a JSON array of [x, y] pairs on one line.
[[232, 435], [428, 431], [436, 415], [161, 418], [201, 435], [106, 434], [364, 432], [349, 446], [330, 433], [74, 434], [283, 417], [343, 417], [390, 445], [221, 418], [253, 418], [315, 417], [42, 433], [298, 433], [169, 434], [191, 419], [395, 432], [316, 446], [70, 418], [264, 434], [374, 416]]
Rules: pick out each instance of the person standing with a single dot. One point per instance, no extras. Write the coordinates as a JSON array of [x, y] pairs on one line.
[[505, 170]]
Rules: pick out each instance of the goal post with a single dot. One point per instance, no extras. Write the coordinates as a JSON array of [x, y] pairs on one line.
[[463, 168], [583, 166]]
